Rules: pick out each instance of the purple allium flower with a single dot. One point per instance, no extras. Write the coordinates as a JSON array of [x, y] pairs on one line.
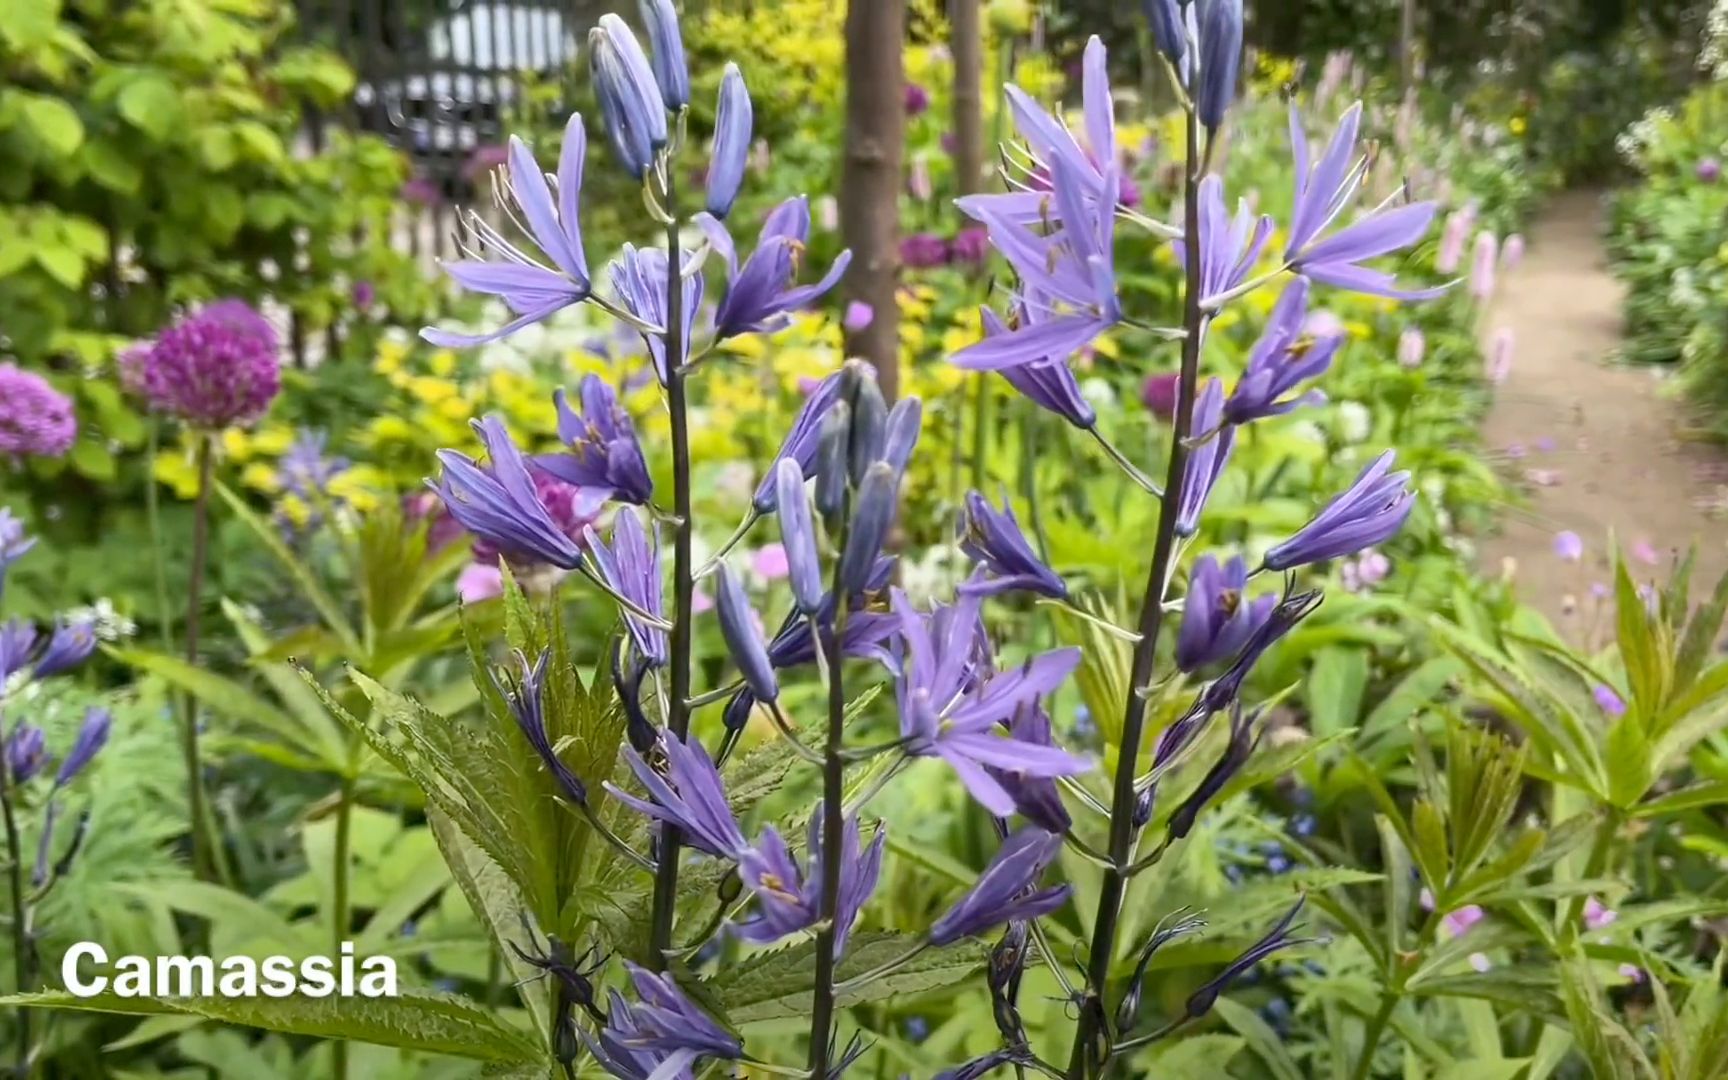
[[522, 515], [1482, 266], [993, 539], [92, 737], [917, 99], [526, 697], [859, 315], [734, 118], [1201, 1002], [639, 279], [604, 455], [1047, 383], [215, 368], [630, 566], [950, 706], [1709, 170], [1229, 247], [761, 292], [1217, 618], [788, 901], [26, 752], [1159, 393], [1369, 512], [1569, 545], [1206, 460], [36, 420], [1282, 359], [70, 645], [531, 289], [1457, 923], [923, 250], [1007, 890], [1608, 701], [1325, 189], [691, 797], [971, 245], [1412, 348]]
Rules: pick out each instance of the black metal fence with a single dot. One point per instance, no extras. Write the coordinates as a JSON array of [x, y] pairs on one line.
[[443, 80]]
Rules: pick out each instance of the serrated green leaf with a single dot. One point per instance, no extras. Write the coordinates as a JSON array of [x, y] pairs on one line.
[[777, 984], [1700, 637]]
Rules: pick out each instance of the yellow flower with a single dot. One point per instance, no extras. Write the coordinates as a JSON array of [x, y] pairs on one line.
[[1517, 125], [359, 487], [389, 429], [432, 390], [391, 354], [236, 444], [273, 439], [295, 510], [179, 473], [261, 477]]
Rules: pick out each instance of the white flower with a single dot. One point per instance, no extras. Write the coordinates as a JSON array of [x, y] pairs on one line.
[[1356, 420], [934, 575], [106, 623], [1098, 393]]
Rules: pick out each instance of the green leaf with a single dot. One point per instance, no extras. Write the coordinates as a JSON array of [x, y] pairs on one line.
[[1265, 1043], [1701, 633], [92, 459], [217, 692], [310, 587], [1334, 689], [1692, 797], [1406, 700], [433, 1023], [776, 985], [1631, 769], [109, 165], [1637, 638], [54, 123], [151, 104]]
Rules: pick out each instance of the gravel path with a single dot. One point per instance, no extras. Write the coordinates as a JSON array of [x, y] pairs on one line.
[[1601, 450]]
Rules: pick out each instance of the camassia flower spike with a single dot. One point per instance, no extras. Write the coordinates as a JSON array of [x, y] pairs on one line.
[[603, 449], [760, 294], [1369, 512]]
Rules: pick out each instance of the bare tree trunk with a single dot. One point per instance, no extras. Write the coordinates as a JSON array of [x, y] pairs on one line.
[[1407, 46], [966, 43], [870, 188]]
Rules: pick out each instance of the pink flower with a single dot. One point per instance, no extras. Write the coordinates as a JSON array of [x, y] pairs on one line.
[[1500, 356], [1608, 701], [700, 602], [918, 182], [479, 582], [1709, 170], [1596, 916], [1645, 552], [1480, 962], [1512, 252], [1569, 545], [769, 562], [35, 419], [1323, 324], [858, 316], [214, 368], [1482, 268], [1451, 251], [1412, 347], [1457, 923], [1159, 394], [917, 99], [1632, 973]]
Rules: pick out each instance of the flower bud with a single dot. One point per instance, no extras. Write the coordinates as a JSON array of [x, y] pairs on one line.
[[831, 460], [905, 421], [798, 536], [733, 120], [877, 495], [743, 640], [1167, 29], [671, 72], [70, 645], [637, 727], [1220, 59], [1143, 803], [26, 752], [92, 736], [869, 427], [629, 100], [738, 710]]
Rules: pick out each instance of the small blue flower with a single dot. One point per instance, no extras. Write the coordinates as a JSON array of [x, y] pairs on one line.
[[760, 294], [604, 453], [1007, 890], [1369, 512]]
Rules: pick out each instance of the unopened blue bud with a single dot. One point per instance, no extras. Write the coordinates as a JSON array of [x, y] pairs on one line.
[[743, 640], [734, 119], [671, 72], [1220, 59], [905, 421], [831, 460], [1166, 19], [798, 536], [629, 99], [869, 427], [871, 518]]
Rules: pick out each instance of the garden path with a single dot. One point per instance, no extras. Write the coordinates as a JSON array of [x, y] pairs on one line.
[[1603, 450]]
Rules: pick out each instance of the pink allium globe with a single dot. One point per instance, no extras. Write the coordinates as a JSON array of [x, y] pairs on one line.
[[215, 368], [35, 419]]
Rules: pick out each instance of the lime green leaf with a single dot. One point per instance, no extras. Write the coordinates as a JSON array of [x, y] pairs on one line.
[[151, 104], [1260, 1037], [1334, 689], [775, 985], [54, 123]]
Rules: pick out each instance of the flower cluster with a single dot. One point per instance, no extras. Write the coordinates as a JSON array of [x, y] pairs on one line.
[[36, 420], [216, 368]]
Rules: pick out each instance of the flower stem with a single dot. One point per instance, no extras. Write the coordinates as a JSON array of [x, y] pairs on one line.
[[203, 865], [153, 514], [1371, 1037], [1122, 831], [340, 913], [833, 820], [683, 577], [21, 946]]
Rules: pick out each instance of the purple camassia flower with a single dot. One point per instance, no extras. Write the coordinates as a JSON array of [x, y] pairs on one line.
[[922, 251], [215, 368], [1369, 512], [26, 752], [36, 420], [17, 639], [1325, 188], [502, 504], [803, 440], [526, 697], [1217, 619], [950, 707], [70, 645], [1207, 459], [1229, 247], [1202, 1000], [639, 278], [760, 294], [604, 455], [691, 797], [661, 1036], [1036, 798], [631, 568], [788, 901], [993, 539], [1072, 266], [1007, 889], [1051, 141], [1049, 383], [92, 737], [1283, 357], [531, 289]]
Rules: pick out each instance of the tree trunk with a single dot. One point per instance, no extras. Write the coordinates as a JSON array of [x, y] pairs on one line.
[[966, 43], [870, 188], [1407, 47]]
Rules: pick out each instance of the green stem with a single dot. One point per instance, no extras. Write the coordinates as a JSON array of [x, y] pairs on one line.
[[202, 863], [1123, 834], [153, 514], [21, 948], [1371, 1037], [340, 913], [1595, 866], [683, 568], [833, 820]]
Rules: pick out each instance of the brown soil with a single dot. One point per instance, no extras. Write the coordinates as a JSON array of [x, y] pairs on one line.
[[1602, 448]]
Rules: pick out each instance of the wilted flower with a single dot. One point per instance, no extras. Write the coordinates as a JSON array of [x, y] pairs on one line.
[[526, 697], [1279, 938], [36, 420], [215, 368], [1006, 890], [1369, 512], [662, 1035]]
